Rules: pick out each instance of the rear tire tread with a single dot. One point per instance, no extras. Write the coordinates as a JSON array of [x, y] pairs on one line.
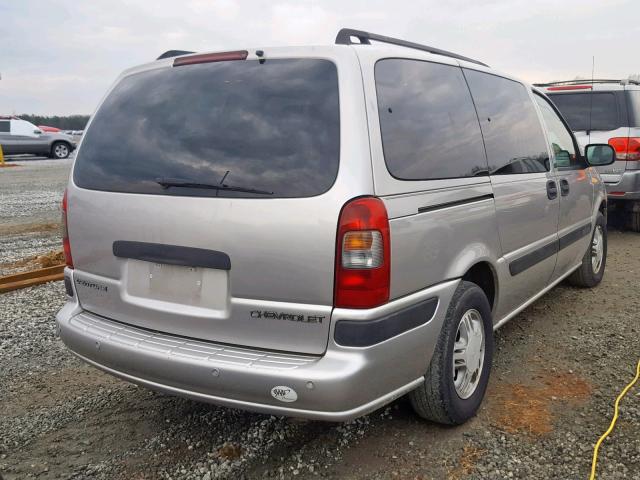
[[634, 221], [428, 400]]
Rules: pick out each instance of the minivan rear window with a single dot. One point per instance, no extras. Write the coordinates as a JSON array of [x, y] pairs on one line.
[[588, 111], [228, 129]]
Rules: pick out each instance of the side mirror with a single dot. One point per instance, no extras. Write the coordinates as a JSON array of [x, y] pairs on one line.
[[37, 131], [600, 154]]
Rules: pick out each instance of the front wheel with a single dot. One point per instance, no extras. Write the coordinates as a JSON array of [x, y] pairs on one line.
[[591, 271], [60, 150], [458, 374]]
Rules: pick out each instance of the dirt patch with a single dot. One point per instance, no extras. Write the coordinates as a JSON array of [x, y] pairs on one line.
[[529, 408], [25, 228], [467, 465], [49, 259], [230, 451]]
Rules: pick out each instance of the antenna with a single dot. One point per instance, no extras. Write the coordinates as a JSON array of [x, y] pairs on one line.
[[593, 69]]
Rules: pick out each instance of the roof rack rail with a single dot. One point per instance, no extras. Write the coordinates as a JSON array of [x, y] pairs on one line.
[[173, 53], [588, 81], [346, 34]]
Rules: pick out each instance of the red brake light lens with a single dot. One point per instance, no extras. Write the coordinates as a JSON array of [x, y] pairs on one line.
[[211, 57], [363, 259], [66, 246], [627, 148]]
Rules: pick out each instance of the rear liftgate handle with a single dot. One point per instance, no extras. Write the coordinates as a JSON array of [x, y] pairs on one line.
[[552, 190], [564, 187]]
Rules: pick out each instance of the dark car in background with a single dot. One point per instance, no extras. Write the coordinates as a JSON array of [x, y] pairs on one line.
[[18, 136]]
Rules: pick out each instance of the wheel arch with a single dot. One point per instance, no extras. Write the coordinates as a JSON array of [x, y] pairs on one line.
[[600, 204], [66, 142], [602, 208], [483, 274]]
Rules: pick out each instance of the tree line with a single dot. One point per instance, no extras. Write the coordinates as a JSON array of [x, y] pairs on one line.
[[71, 122]]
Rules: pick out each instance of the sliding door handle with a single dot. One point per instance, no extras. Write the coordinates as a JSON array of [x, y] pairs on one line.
[[552, 190]]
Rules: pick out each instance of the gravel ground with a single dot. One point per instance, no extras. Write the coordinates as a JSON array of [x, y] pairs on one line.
[[558, 367], [31, 191], [30, 196]]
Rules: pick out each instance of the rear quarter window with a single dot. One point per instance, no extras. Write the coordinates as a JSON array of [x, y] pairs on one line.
[[273, 127], [588, 111], [428, 124]]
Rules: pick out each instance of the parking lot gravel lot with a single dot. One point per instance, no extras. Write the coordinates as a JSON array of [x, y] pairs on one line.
[[30, 196], [558, 367]]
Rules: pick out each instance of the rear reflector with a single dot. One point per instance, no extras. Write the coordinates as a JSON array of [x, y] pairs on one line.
[[211, 57], [570, 87], [66, 246], [627, 148], [363, 260], [617, 194]]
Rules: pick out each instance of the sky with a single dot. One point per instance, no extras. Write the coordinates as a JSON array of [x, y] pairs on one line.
[[58, 57]]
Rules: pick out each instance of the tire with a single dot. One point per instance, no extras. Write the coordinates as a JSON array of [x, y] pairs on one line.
[[438, 398], [633, 221], [588, 275], [60, 150]]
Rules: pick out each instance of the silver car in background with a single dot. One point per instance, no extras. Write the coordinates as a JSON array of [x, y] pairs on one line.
[[18, 137], [607, 111], [316, 231]]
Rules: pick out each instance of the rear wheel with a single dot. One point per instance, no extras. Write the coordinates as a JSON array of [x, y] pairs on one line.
[[458, 374], [594, 261], [633, 222], [60, 150]]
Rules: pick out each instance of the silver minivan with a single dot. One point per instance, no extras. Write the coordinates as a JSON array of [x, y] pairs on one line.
[[317, 231]]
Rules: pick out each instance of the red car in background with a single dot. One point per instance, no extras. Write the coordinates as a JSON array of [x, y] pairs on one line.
[[44, 128]]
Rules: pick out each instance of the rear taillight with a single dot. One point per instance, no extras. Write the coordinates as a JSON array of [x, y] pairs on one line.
[[363, 260], [66, 247], [627, 148]]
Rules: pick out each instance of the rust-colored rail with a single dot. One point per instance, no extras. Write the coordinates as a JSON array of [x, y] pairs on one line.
[[33, 277]]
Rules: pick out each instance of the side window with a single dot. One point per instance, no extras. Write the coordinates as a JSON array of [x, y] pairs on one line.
[[562, 144], [4, 126], [511, 129], [427, 120], [22, 128]]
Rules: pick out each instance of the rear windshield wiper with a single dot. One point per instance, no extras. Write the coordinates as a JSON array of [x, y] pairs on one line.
[[176, 182]]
